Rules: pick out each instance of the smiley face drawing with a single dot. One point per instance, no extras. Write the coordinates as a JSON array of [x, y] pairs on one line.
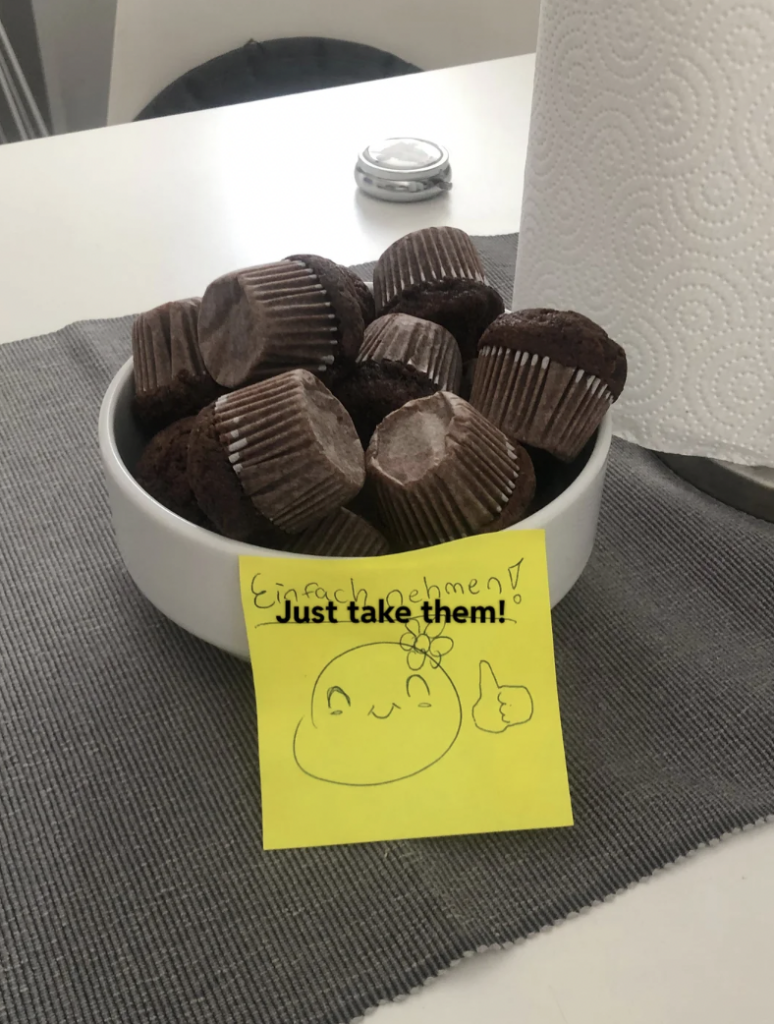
[[378, 716]]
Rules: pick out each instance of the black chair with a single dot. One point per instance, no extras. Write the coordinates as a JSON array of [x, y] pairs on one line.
[[279, 67]]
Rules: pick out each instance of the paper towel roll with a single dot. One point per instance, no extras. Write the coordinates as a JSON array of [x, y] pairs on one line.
[[649, 206]]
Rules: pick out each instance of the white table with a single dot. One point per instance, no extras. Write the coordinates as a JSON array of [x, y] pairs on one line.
[[114, 221]]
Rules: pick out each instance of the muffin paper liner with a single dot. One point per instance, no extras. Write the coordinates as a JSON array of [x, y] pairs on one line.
[[274, 433], [301, 329], [520, 500], [538, 401], [265, 320], [467, 490], [343, 534], [165, 346]]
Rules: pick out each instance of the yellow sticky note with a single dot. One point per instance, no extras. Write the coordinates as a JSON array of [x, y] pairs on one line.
[[379, 719]]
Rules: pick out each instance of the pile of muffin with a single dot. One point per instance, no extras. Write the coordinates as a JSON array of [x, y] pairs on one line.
[[292, 408]]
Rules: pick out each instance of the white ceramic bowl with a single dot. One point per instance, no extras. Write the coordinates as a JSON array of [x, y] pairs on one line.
[[192, 575]]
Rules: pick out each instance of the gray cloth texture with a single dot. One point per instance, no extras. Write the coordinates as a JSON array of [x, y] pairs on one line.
[[134, 886]]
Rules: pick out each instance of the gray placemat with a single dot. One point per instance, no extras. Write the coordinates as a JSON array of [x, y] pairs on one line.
[[134, 884]]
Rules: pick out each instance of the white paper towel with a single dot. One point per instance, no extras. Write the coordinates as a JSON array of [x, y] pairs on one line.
[[649, 206]]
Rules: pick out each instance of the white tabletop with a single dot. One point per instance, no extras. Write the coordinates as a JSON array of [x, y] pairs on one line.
[[117, 220]]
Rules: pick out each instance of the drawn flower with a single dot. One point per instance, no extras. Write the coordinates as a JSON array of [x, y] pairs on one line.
[[423, 641]]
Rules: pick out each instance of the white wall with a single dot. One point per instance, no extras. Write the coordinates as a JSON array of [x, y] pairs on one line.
[[76, 43], [19, 23], [158, 40]]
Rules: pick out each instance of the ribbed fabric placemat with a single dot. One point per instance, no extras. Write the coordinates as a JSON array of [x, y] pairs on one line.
[[134, 884]]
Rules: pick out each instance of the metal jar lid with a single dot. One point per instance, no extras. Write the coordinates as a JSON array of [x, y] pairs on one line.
[[403, 170]]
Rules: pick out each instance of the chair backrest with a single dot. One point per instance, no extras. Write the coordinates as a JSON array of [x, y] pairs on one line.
[[279, 67], [156, 41]]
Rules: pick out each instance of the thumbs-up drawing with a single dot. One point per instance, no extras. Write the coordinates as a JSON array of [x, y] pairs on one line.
[[499, 707]]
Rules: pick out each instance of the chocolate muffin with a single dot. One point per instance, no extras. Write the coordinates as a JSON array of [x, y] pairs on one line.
[[401, 359], [464, 308], [547, 377], [364, 295], [521, 500], [348, 296], [425, 346], [370, 391], [553, 476], [436, 274], [468, 372], [291, 449], [218, 491], [302, 312], [162, 470], [431, 254], [340, 535], [170, 379], [441, 471]]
